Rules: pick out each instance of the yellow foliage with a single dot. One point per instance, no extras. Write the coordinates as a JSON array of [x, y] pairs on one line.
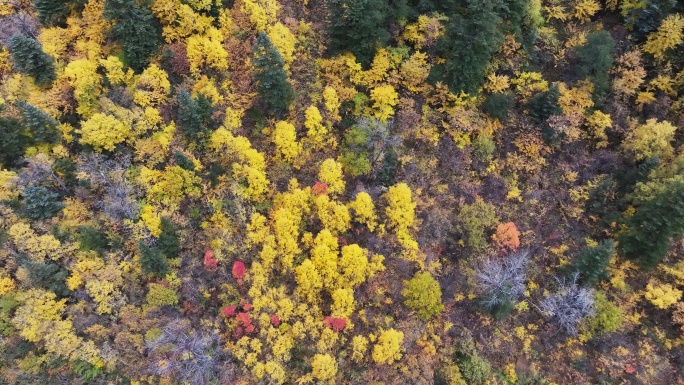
[[160, 295], [332, 104], [6, 285], [585, 9], [384, 99], [309, 281], [400, 210], [497, 83], [171, 185], [330, 173], [284, 41], [414, 72], [286, 231], [317, 132], [662, 296], [364, 210], [651, 139], [36, 247], [262, 13], [179, 20], [388, 348], [83, 77], [152, 87], [285, 139], [343, 303], [425, 31], [54, 41], [206, 87], [629, 73], [669, 35], [151, 219], [114, 69], [207, 50], [597, 123], [530, 83], [334, 216], [8, 181], [359, 348], [103, 132], [324, 367], [324, 257]]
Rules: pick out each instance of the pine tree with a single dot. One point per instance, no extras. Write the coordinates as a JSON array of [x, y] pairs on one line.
[[270, 75], [137, 29], [544, 104], [595, 59], [43, 127], [194, 114], [152, 260], [41, 203], [50, 276], [654, 224], [358, 26], [168, 242], [29, 59], [14, 138], [592, 262], [470, 40], [52, 12]]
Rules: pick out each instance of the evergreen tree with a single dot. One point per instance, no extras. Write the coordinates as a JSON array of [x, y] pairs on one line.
[[43, 127], [137, 29], [358, 26], [544, 104], [168, 242], [654, 224], [270, 75], [152, 260], [49, 276], [595, 59], [52, 12], [29, 59], [194, 114], [41, 203], [14, 138], [470, 40], [91, 239], [592, 262]]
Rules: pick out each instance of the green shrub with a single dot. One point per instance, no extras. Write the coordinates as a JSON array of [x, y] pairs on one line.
[[91, 239], [483, 148], [592, 262], [152, 260], [160, 295], [168, 242], [608, 317], [474, 220], [423, 295]]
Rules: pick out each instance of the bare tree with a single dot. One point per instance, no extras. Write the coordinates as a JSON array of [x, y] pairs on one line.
[[569, 304], [195, 357], [109, 175], [502, 281]]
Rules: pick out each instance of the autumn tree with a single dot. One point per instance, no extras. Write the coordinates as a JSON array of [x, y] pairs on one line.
[[669, 35], [270, 75], [423, 295], [28, 58], [358, 26], [136, 28]]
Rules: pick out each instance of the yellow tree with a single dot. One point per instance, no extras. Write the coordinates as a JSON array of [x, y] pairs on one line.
[[330, 173], [364, 210], [384, 99], [152, 87], [103, 132], [285, 139], [668, 36], [651, 139], [388, 348], [83, 77], [207, 50], [317, 132]]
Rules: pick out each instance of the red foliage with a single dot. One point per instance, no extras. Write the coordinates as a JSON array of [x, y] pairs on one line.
[[629, 369], [320, 188], [238, 271], [507, 236], [243, 319], [210, 263], [228, 311], [336, 324], [275, 321], [247, 307]]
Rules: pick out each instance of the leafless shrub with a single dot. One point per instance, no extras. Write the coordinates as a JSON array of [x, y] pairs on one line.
[[502, 281], [569, 304], [189, 356], [109, 175], [19, 23]]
